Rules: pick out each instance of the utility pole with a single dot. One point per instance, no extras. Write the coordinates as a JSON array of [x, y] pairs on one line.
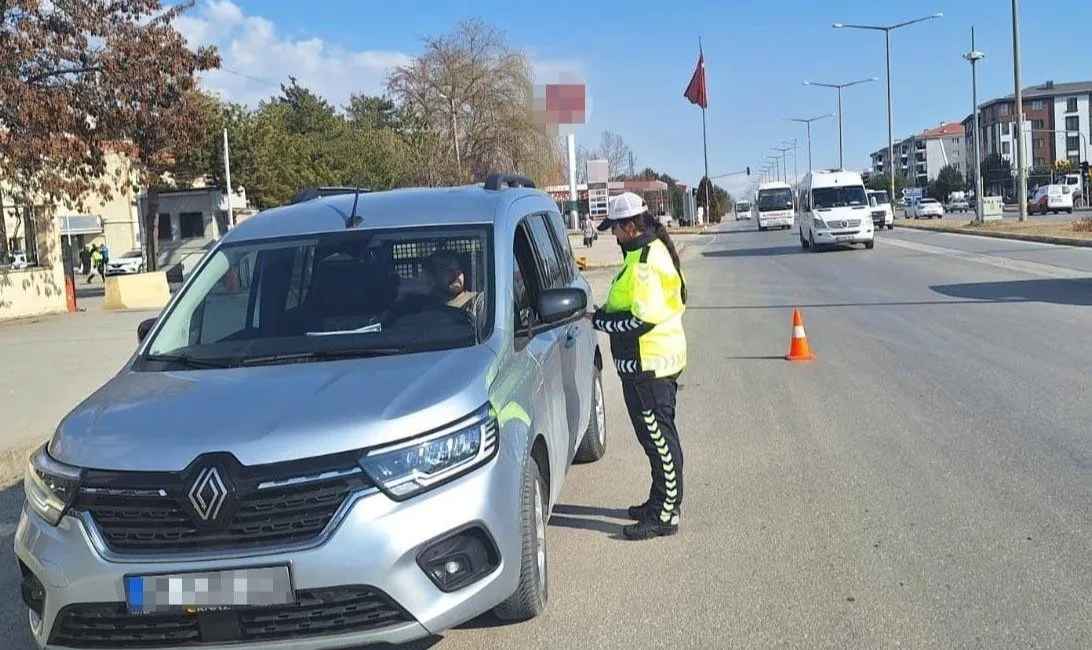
[[1021, 177], [227, 183]]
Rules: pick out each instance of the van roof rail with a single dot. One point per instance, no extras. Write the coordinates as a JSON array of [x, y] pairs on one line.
[[498, 180], [310, 193]]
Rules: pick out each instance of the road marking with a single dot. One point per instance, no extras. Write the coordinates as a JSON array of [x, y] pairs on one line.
[[1009, 264]]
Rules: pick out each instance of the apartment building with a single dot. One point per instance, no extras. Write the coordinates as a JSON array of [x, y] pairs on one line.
[[921, 157], [1057, 125]]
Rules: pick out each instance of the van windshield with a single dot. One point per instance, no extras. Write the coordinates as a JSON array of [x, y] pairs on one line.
[[838, 197], [332, 295], [879, 197], [777, 199], [743, 207]]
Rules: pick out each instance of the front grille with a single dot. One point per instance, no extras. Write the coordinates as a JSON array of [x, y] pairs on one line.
[[139, 513], [318, 612]]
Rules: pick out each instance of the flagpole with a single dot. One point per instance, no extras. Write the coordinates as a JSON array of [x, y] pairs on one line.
[[704, 140]]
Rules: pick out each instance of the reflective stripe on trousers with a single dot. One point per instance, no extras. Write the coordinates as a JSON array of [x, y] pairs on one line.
[[651, 406]]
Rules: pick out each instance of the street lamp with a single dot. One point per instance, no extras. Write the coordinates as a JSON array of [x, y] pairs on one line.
[[784, 161], [839, 87], [808, 121], [887, 29], [974, 56], [773, 164], [795, 170]]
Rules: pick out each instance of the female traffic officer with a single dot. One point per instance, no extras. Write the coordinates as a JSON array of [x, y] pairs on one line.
[[643, 316]]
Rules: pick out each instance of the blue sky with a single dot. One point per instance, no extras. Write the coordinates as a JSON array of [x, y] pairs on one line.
[[637, 63]]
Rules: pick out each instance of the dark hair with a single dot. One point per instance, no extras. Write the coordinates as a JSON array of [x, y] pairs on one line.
[[646, 222]]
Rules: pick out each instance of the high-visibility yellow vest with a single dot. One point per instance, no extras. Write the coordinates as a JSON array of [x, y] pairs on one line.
[[643, 312]]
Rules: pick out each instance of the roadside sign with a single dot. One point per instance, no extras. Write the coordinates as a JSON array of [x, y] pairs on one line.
[[912, 194]]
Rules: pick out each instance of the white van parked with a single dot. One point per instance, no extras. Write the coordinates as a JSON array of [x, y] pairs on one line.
[[774, 206], [834, 209]]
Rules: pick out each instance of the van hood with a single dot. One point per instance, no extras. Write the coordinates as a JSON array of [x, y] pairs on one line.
[[161, 421]]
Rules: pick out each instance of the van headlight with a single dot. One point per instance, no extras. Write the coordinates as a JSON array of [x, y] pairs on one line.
[[50, 486], [409, 468], [816, 222]]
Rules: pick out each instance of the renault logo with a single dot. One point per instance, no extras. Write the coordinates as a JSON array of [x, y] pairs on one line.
[[208, 493]]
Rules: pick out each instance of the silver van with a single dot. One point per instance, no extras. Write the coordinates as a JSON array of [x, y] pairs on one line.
[[348, 427]]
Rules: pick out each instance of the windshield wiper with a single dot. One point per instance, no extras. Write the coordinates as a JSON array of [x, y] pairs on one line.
[[320, 355], [187, 360]]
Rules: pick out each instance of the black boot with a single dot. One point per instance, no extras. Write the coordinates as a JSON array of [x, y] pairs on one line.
[[650, 528], [638, 513]]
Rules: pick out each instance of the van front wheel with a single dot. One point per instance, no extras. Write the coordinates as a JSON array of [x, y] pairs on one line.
[[529, 599]]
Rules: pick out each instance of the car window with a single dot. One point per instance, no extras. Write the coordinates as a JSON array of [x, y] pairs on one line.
[[397, 290], [563, 245], [521, 298], [550, 265]]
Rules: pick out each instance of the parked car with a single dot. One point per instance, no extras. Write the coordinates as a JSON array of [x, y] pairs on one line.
[[925, 208], [131, 262], [361, 408]]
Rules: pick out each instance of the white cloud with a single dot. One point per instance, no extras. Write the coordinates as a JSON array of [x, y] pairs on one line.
[[257, 58]]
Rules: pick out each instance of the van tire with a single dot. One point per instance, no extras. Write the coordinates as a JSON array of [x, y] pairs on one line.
[[594, 445], [529, 599], [869, 245]]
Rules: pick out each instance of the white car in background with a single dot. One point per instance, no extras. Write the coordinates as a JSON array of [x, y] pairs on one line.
[[131, 262], [927, 208]]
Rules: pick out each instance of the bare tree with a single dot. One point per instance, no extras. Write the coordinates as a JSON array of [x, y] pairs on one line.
[[616, 152], [471, 90]]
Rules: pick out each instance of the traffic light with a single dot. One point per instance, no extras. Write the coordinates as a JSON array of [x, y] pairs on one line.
[[749, 169], [1084, 168]]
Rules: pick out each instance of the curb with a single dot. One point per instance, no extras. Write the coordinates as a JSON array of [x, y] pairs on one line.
[[1040, 239]]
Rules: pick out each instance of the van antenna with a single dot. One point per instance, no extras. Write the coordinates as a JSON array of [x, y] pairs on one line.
[[354, 219]]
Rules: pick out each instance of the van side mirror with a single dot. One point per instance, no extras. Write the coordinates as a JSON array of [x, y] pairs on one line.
[[559, 305], [143, 329]]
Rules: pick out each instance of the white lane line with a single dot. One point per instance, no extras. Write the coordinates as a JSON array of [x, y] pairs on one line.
[[1009, 264]]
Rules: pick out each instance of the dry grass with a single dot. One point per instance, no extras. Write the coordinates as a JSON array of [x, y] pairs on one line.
[[1077, 228]]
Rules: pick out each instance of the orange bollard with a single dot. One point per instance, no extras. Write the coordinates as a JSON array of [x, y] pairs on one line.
[[70, 293], [799, 350]]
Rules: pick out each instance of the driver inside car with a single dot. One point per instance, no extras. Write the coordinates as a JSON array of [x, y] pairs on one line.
[[449, 281]]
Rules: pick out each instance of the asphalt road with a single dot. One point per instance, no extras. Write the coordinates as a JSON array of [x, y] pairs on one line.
[[926, 482]]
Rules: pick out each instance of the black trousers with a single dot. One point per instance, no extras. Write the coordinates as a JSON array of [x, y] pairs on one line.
[[651, 406]]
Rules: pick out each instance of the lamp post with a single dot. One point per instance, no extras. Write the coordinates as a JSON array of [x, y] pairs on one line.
[[784, 161], [839, 87], [974, 56], [795, 169], [887, 29], [808, 122]]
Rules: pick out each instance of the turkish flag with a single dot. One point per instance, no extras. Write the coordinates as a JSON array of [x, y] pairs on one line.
[[697, 92]]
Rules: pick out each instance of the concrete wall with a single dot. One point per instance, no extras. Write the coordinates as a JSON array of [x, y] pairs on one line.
[[38, 290]]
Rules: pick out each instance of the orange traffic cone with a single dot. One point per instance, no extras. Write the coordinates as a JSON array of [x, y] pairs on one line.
[[799, 350]]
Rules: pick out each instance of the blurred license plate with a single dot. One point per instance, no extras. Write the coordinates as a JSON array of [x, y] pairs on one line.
[[262, 587], [844, 238]]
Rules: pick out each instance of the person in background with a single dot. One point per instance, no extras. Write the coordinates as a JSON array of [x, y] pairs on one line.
[[590, 233], [85, 261], [96, 265], [643, 316]]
